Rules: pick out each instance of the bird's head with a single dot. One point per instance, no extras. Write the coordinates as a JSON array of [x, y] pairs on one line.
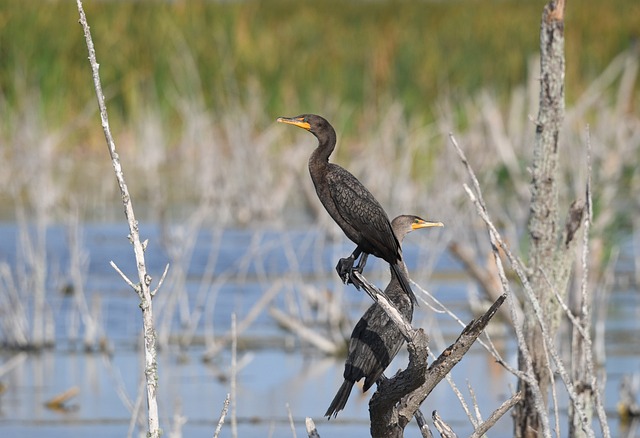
[[402, 225], [315, 124]]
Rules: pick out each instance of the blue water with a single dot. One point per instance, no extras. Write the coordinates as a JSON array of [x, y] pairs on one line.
[[278, 370]]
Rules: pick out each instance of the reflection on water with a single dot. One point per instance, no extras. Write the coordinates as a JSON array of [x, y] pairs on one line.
[[270, 378]]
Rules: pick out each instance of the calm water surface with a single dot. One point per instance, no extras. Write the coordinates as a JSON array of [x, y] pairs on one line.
[[276, 369]]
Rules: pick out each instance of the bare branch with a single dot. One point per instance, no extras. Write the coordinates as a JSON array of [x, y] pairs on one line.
[[496, 415], [124, 277], [164, 274], [225, 409], [151, 366]]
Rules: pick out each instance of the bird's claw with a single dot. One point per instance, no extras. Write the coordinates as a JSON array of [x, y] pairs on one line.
[[344, 268]]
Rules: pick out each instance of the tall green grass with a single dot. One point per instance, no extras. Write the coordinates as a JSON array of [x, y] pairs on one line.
[[194, 87], [301, 55]]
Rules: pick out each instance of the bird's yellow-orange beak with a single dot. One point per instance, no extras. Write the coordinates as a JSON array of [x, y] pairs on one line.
[[295, 121], [425, 224]]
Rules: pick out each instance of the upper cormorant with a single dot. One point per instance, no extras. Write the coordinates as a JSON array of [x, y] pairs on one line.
[[350, 204], [376, 339]]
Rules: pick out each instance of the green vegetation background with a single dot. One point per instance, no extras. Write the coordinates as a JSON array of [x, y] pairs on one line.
[[298, 56]]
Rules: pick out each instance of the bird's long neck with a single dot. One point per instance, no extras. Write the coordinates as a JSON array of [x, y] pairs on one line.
[[319, 160], [326, 145]]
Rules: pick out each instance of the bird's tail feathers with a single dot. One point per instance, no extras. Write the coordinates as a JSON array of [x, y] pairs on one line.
[[404, 282], [340, 400]]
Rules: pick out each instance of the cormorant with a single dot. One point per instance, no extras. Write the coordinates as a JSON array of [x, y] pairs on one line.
[[376, 339], [350, 204]]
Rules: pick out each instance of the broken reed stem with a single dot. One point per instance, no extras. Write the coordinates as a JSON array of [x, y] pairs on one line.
[[144, 279]]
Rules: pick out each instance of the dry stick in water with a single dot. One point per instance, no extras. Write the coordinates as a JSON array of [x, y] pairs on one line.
[[223, 414], [144, 279]]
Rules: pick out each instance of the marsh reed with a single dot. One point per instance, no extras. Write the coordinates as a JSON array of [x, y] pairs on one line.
[[235, 168]]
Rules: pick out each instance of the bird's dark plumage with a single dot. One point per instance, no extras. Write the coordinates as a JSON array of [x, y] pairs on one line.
[[349, 203], [376, 340]]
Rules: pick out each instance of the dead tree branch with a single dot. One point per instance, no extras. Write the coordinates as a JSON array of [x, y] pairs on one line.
[[397, 399], [144, 279]]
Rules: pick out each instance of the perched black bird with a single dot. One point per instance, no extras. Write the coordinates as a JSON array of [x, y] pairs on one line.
[[376, 340], [350, 204]]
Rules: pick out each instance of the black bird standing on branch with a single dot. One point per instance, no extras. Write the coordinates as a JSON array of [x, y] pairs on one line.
[[376, 339], [350, 204]]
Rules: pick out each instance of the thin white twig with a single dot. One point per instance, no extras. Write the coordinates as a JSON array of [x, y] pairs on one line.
[[122, 274], [164, 274], [291, 423], [225, 409], [234, 376], [476, 408], [495, 416], [574, 321]]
